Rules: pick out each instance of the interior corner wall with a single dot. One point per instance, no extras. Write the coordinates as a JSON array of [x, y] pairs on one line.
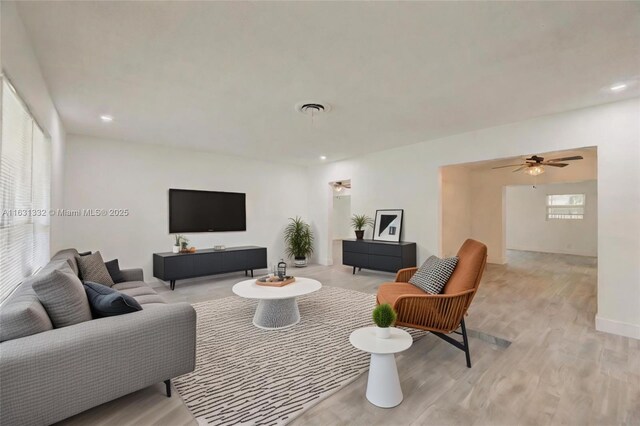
[[455, 203], [20, 65], [408, 178], [108, 174]]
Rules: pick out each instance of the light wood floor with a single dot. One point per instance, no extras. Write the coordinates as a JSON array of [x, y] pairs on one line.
[[558, 369]]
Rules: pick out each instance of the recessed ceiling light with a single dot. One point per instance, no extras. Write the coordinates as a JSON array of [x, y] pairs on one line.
[[618, 87], [323, 157], [106, 118]]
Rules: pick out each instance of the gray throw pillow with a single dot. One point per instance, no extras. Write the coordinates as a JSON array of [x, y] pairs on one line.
[[92, 268], [61, 293], [434, 273]]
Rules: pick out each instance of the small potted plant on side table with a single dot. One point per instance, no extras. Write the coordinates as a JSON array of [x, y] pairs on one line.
[[359, 222], [176, 246], [384, 316]]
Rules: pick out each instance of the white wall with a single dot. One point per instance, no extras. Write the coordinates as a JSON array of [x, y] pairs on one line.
[[19, 64], [341, 222], [455, 212], [528, 228], [407, 178], [114, 174]]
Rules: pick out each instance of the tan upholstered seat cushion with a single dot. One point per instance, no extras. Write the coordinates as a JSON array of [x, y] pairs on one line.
[[390, 292], [471, 261]]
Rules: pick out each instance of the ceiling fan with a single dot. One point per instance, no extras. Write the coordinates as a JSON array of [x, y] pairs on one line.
[[534, 165], [339, 186]]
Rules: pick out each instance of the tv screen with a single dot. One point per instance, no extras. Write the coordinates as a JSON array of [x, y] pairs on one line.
[[206, 211]]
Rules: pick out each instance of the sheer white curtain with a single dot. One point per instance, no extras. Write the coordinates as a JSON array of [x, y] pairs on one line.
[[25, 181]]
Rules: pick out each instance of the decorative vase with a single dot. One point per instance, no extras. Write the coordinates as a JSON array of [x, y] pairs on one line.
[[360, 234], [300, 262], [176, 249], [383, 332]]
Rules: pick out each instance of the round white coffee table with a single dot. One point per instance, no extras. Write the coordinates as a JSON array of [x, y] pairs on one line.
[[383, 387], [277, 306]]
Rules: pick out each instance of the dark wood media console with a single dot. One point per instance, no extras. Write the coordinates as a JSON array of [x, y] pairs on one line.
[[378, 255], [179, 266]]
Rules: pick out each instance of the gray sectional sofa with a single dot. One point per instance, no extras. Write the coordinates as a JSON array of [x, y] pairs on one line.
[[48, 374]]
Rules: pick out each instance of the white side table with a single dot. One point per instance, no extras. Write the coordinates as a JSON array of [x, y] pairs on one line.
[[277, 306], [383, 387]]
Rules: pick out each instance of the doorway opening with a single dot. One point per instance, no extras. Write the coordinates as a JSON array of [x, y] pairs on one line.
[[340, 218]]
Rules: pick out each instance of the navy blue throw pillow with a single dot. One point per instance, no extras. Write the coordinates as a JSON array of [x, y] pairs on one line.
[[113, 267], [107, 302]]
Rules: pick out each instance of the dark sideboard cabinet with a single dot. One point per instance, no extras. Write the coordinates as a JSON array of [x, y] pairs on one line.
[[178, 266], [378, 255]]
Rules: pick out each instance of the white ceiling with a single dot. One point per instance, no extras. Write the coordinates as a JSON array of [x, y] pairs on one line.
[[226, 76]]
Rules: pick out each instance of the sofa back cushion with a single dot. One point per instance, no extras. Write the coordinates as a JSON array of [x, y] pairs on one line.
[[68, 255], [23, 315], [472, 258], [61, 293]]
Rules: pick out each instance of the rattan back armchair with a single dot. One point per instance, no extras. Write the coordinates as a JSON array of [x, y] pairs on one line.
[[439, 313]]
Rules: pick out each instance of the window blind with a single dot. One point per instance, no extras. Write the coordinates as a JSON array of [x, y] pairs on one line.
[[25, 176]]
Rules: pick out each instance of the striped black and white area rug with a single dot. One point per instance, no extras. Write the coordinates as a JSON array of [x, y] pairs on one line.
[[248, 376]]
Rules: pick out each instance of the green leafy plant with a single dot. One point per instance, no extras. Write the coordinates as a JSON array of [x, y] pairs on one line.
[[359, 221], [181, 240], [299, 238], [384, 315]]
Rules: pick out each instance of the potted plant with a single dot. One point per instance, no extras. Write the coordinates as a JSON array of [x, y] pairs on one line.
[[299, 240], [384, 316], [176, 246], [359, 222]]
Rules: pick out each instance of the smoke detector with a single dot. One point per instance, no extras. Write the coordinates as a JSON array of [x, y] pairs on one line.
[[312, 108]]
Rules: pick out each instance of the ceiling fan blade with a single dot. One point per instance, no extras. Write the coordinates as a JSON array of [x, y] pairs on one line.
[[575, 157], [520, 168], [555, 164], [510, 165]]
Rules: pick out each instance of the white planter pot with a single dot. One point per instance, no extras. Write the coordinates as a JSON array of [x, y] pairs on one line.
[[176, 249], [383, 332], [300, 263]]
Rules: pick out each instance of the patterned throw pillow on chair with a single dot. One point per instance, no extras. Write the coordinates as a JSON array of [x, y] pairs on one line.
[[434, 273]]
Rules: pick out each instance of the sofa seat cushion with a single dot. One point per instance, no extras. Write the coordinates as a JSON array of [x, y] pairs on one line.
[[108, 302], [390, 292], [141, 291], [150, 299], [61, 293], [129, 284]]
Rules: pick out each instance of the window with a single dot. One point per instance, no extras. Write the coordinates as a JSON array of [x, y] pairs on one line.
[[25, 168], [565, 206]]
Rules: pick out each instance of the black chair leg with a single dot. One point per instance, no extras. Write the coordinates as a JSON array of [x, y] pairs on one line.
[[168, 385], [465, 341], [464, 346]]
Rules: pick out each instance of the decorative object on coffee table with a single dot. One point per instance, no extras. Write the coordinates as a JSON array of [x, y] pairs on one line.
[[277, 306], [388, 225], [384, 316], [282, 269], [359, 222], [275, 281], [383, 385], [299, 240]]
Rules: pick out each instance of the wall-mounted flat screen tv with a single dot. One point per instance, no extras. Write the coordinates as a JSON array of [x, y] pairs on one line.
[[206, 211]]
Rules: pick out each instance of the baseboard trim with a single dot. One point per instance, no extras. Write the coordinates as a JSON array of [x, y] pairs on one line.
[[617, 327]]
